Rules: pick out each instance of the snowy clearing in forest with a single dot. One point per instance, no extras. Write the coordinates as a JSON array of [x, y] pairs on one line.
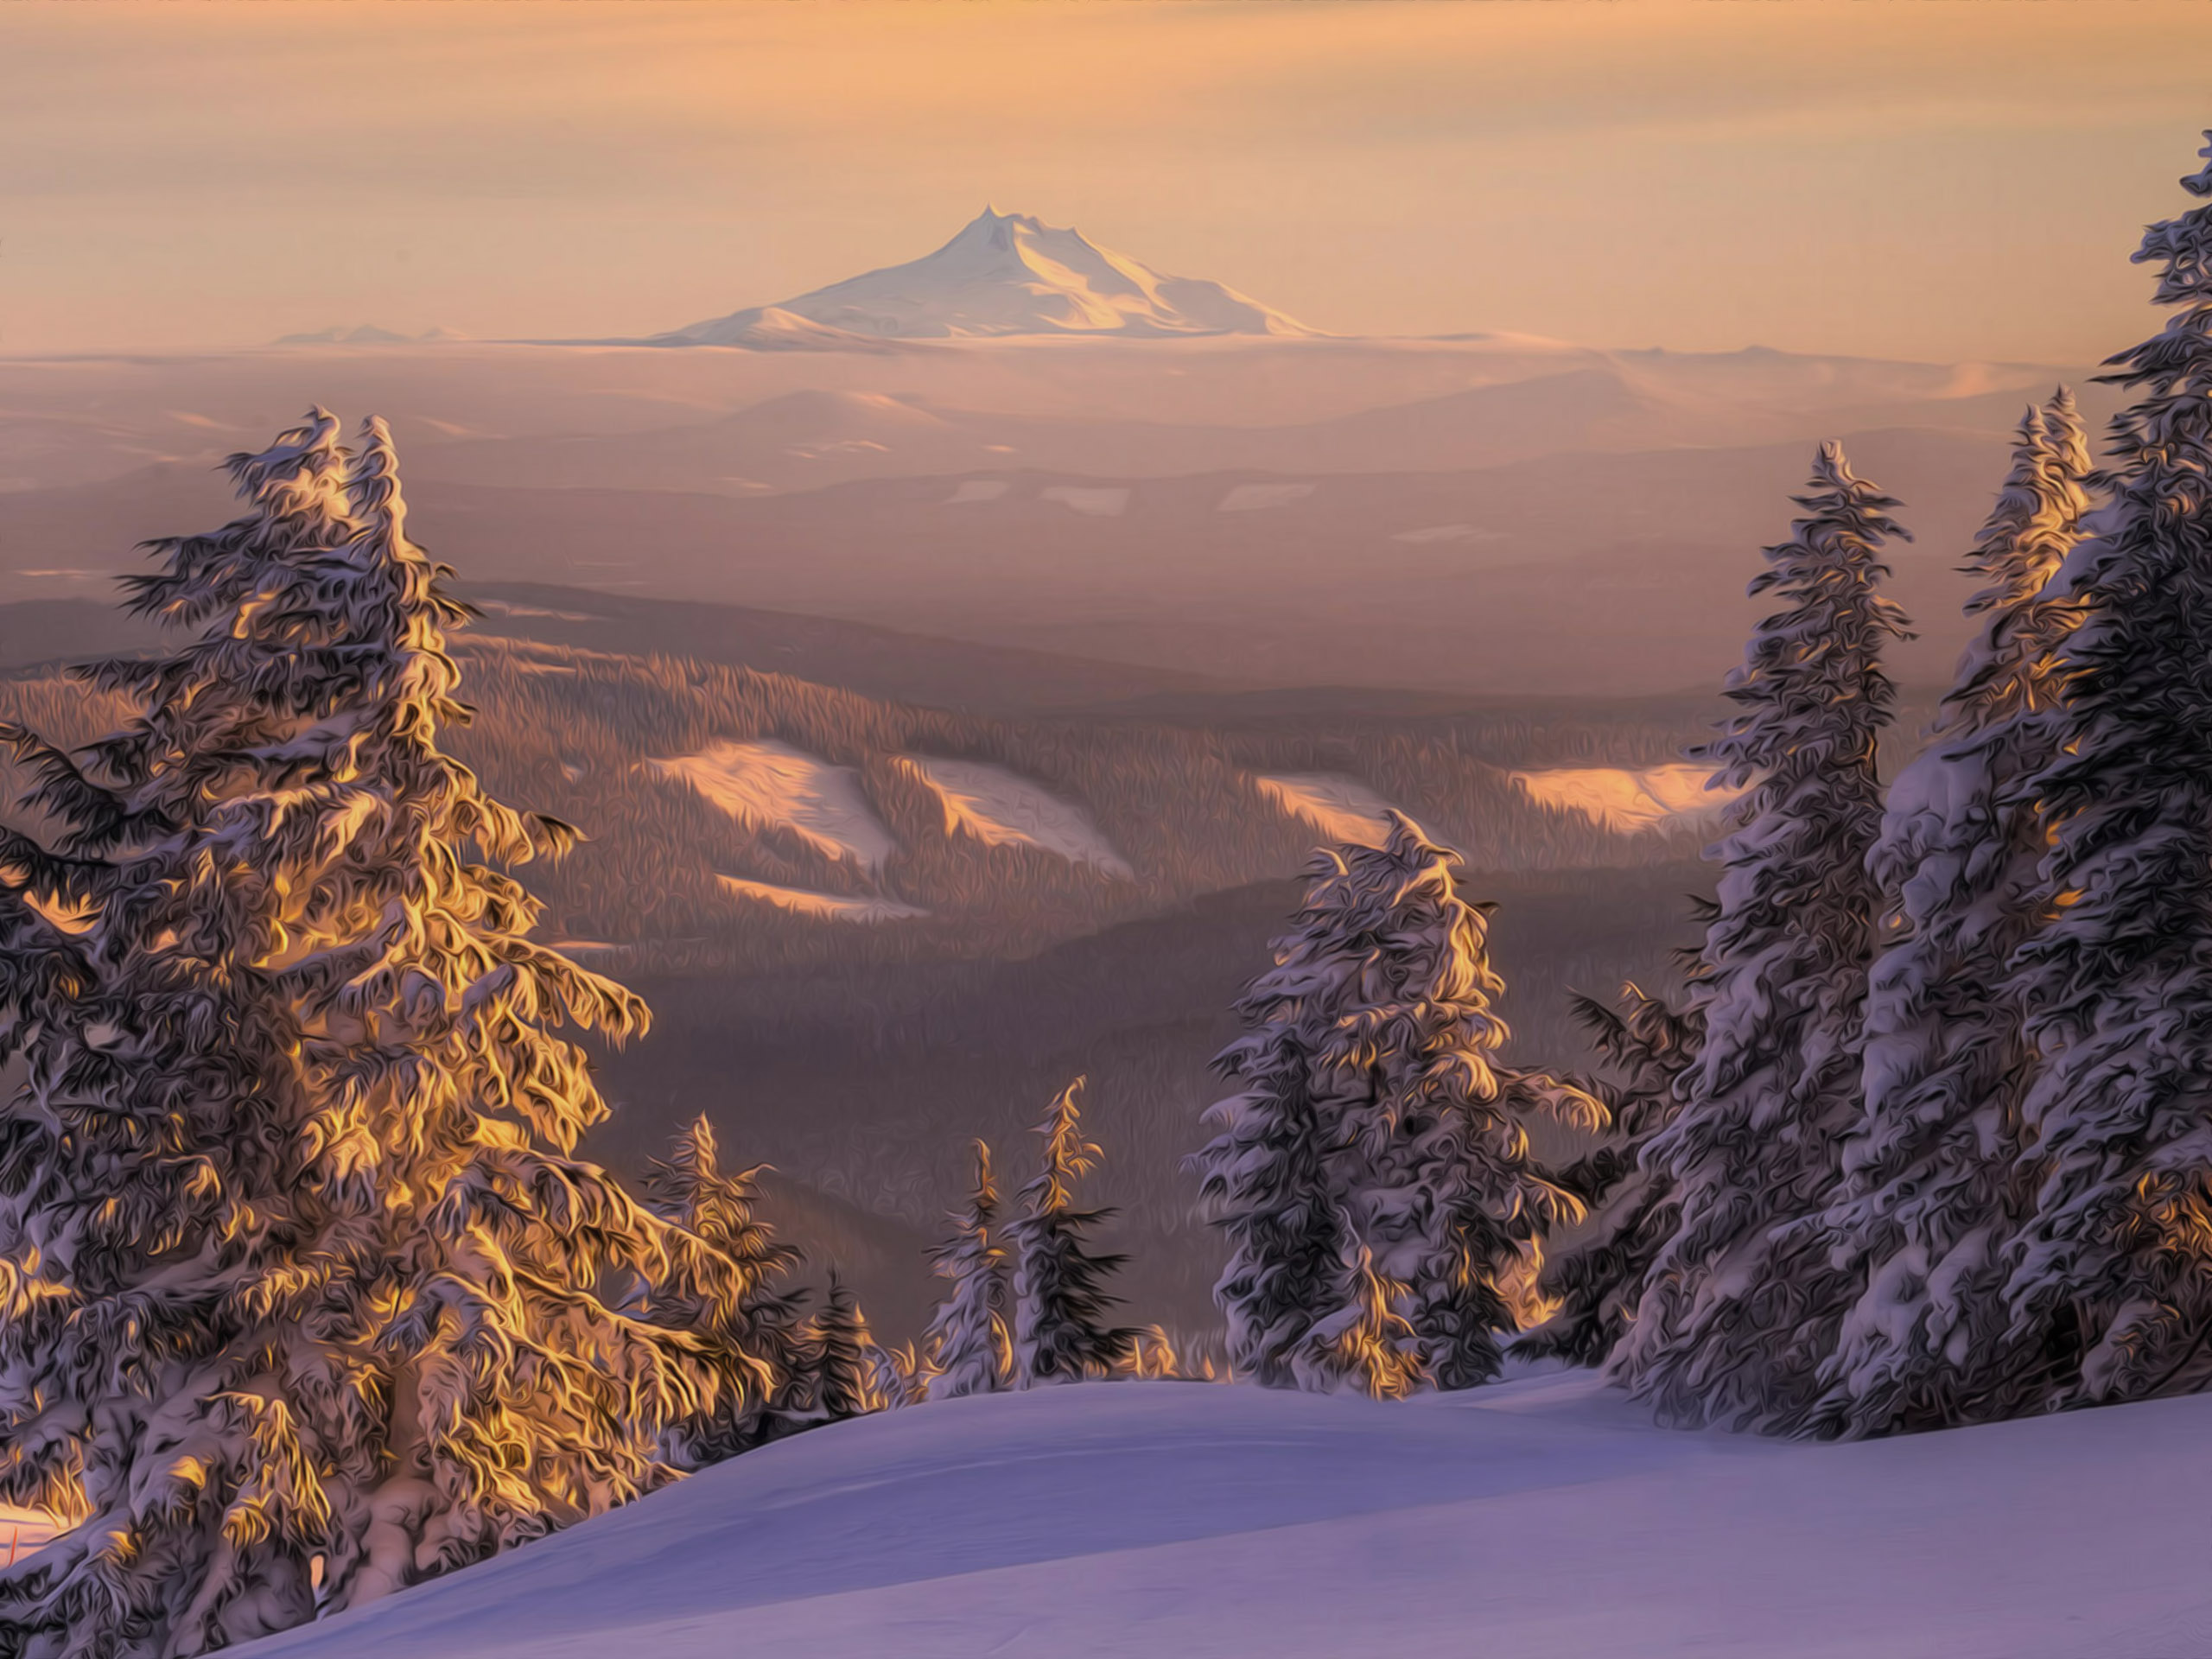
[[828, 906], [1000, 808], [1629, 800], [508, 607], [1538, 1519], [1342, 809], [1256, 498], [767, 784], [1095, 504], [1429, 533], [977, 489]]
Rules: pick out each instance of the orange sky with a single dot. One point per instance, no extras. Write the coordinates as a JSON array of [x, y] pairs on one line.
[[1927, 178]]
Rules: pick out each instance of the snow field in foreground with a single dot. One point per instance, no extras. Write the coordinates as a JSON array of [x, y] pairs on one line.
[[1544, 1517]]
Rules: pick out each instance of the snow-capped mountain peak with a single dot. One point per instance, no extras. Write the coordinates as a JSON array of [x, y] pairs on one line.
[[1004, 274]]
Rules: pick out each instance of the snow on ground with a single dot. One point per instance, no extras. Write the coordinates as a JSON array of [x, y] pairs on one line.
[[977, 489], [1428, 533], [505, 607], [1538, 1519], [1342, 809], [829, 906], [1107, 503], [771, 784], [1629, 800], [1254, 497], [1002, 809]]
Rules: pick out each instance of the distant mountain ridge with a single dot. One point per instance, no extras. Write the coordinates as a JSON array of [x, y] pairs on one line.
[[1004, 274], [368, 333]]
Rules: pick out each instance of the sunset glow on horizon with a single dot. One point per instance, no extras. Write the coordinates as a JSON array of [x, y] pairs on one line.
[[1883, 178]]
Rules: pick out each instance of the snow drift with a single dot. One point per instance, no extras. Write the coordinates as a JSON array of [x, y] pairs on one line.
[[1546, 1514], [1004, 274]]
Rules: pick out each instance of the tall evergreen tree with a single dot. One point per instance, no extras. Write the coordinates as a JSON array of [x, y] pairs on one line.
[[842, 1371], [1646, 1045], [1384, 1122], [970, 1338], [1263, 1176], [1930, 1174], [1733, 1320], [297, 1272], [1059, 1294], [2110, 1278], [729, 1289]]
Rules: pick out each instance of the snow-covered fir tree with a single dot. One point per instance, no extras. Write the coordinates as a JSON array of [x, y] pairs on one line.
[[842, 1373], [1734, 1319], [902, 1375], [1368, 1345], [298, 1275], [728, 1288], [1646, 1045], [2110, 1276], [1264, 1178], [1931, 1172], [1377, 1117], [970, 1338], [1059, 1283], [1150, 1356]]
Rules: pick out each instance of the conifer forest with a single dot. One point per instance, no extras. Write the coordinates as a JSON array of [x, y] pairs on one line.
[[1025, 955]]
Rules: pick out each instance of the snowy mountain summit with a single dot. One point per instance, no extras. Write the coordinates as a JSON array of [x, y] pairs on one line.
[[1005, 274]]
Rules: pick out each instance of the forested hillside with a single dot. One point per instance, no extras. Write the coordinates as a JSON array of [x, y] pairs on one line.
[[976, 966]]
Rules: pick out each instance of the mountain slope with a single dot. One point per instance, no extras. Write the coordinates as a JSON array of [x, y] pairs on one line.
[[1004, 274], [1545, 1515], [1553, 576]]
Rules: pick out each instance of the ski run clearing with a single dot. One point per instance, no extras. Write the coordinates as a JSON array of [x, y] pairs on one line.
[[1260, 497], [1103, 503], [767, 784], [824, 907], [1628, 801], [1538, 1519], [1001, 810], [977, 489], [1342, 809]]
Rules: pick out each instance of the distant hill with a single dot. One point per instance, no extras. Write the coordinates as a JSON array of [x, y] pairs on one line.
[[367, 333], [854, 656], [1561, 574], [876, 662]]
